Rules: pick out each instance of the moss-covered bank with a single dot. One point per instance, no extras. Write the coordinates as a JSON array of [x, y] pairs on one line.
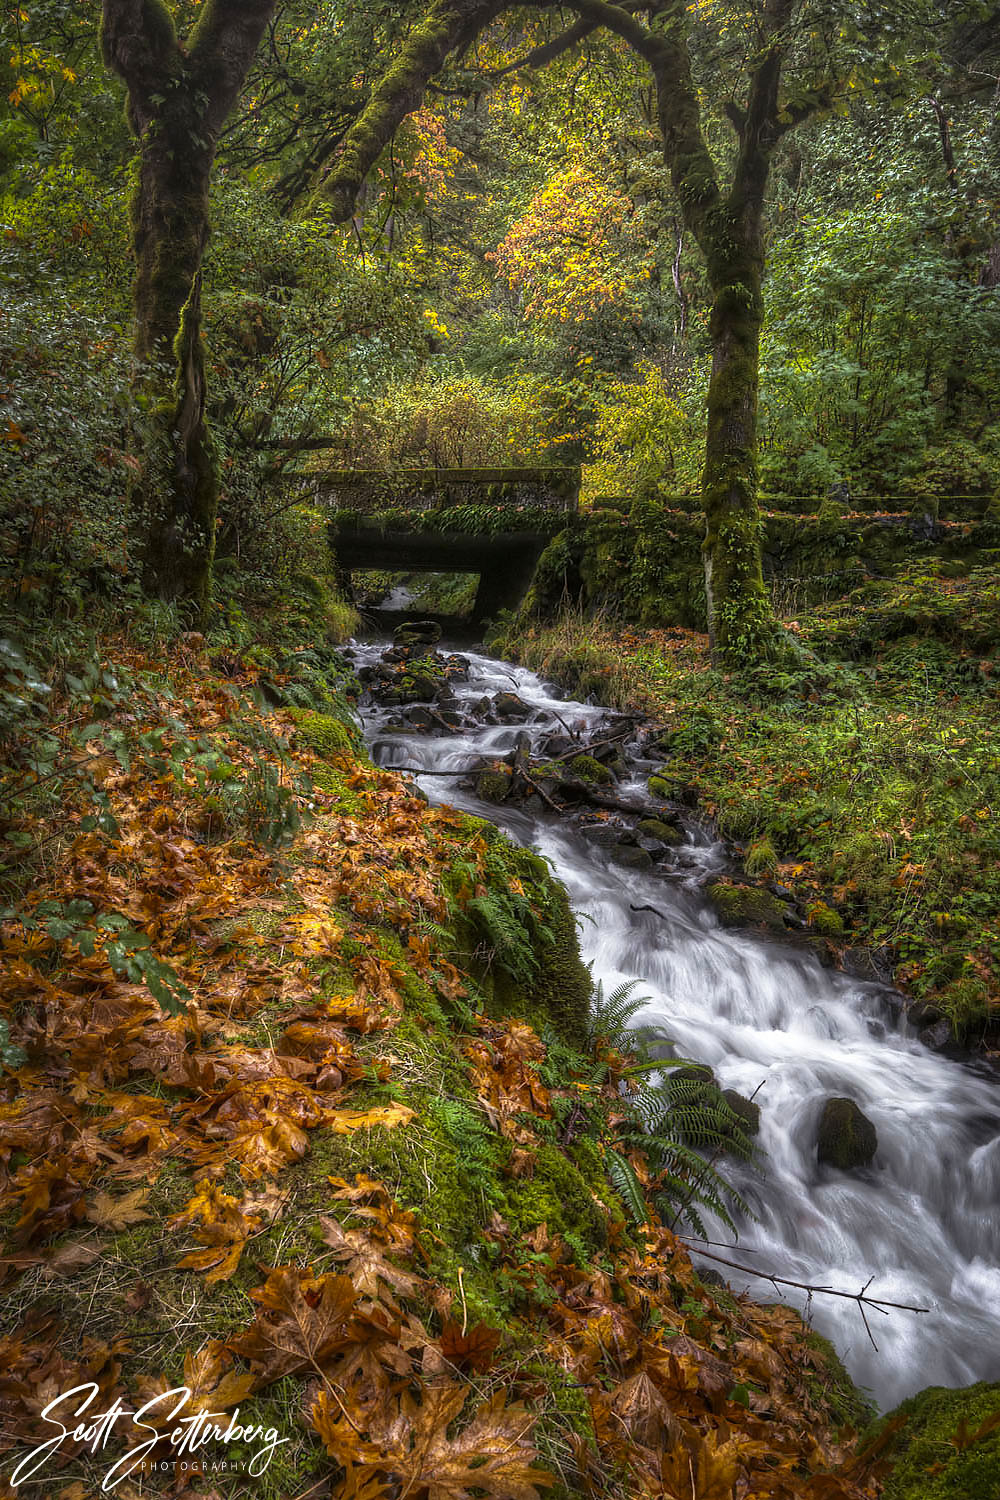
[[863, 781]]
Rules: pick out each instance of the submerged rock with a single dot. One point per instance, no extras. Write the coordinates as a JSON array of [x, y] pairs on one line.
[[846, 1137], [632, 857]]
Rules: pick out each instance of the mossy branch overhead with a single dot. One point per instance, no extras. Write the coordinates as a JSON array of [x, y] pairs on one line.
[[446, 28]]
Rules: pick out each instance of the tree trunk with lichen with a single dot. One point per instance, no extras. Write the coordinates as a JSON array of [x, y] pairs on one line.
[[741, 624], [179, 96], [180, 488]]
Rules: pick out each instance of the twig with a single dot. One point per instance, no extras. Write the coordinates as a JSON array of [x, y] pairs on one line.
[[861, 1298]]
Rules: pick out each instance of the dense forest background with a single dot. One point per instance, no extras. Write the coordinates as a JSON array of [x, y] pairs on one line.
[[515, 281], [308, 1103]]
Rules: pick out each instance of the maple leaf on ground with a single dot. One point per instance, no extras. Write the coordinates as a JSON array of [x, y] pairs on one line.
[[409, 1443], [343, 1121], [703, 1468], [370, 1200], [469, 1349], [364, 1262], [118, 1213], [208, 1375], [301, 1324]]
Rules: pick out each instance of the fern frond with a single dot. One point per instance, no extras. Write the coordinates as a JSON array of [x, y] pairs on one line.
[[626, 1184]]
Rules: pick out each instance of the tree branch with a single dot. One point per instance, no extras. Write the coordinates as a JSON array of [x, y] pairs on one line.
[[448, 25], [546, 53], [880, 1304]]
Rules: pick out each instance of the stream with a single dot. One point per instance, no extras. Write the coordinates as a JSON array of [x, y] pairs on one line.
[[922, 1223]]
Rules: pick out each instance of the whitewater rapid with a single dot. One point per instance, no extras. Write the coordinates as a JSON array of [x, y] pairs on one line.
[[922, 1223]]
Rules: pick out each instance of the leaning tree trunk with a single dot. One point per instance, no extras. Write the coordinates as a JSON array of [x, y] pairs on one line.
[[179, 96], [741, 624]]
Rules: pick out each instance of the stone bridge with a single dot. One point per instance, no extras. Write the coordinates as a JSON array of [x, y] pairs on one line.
[[492, 522]]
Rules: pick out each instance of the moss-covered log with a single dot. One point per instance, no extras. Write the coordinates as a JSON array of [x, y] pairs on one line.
[[179, 96]]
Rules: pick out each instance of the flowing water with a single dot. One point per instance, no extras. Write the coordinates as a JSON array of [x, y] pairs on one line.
[[922, 1224]]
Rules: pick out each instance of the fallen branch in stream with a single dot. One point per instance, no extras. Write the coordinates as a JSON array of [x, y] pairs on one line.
[[880, 1304]]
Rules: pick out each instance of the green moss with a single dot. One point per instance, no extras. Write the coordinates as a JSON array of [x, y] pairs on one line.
[[760, 859], [746, 906], [493, 786], [831, 1387], [334, 737], [557, 1195], [824, 920], [932, 1456], [655, 828], [587, 768]]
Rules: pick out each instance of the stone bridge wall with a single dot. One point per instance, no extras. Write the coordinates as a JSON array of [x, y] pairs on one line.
[[370, 490]]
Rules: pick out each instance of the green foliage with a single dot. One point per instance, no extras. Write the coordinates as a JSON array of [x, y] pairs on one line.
[[446, 421], [673, 1115], [949, 1447], [127, 950]]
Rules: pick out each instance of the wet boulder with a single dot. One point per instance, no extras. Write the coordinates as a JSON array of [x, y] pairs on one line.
[[846, 1137], [656, 833], [494, 785], [632, 857], [588, 768], [604, 834], [419, 637], [556, 746], [748, 906], [510, 709], [747, 1111]]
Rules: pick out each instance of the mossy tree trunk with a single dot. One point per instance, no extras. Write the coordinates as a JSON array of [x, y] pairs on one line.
[[729, 229], [179, 96]]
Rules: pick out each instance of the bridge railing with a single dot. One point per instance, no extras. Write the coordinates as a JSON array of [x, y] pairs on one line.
[[547, 487]]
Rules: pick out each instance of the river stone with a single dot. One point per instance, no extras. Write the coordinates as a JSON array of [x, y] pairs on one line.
[[418, 687], [632, 857], [939, 1037], [747, 906], [846, 1137], [659, 831], [493, 786], [601, 833], [417, 633], [510, 708], [555, 746], [746, 1110]]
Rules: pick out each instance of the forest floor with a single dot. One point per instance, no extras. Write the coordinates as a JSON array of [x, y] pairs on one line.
[[867, 781], [299, 1112]]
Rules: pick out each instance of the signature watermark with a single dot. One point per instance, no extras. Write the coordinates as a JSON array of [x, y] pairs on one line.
[[183, 1447]]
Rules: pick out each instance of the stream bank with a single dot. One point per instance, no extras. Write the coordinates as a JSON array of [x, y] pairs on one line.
[[770, 1020]]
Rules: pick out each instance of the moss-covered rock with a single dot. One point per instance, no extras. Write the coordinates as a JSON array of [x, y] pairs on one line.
[[747, 906], [663, 833], [746, 1110], [937, 1454], [846, 1137], [334, 737], [824, 920], [586, 768], [493, 786], [632, 857]]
